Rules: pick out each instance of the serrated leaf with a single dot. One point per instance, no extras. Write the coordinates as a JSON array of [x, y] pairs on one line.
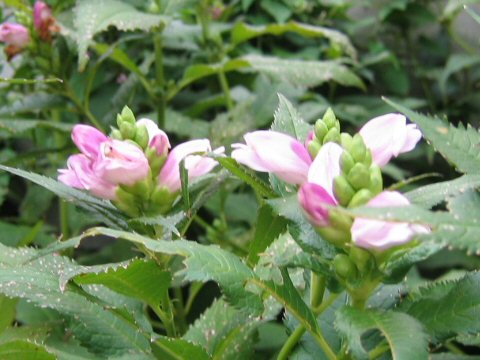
[[202, 263], [178, 349], [288, 121], [32, 102], [247, 176], [434, 194], [305, 73], [24, 350], [447, 308], [25, 275], [403, 333], [459, 145], [143, 280], [242, 32], [15, 127], [222, 329], [268, 227], [90, 203], [94, 16]]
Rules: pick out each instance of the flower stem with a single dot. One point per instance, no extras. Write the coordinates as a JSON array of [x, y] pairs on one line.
[[160, 79], [226, 89], [291, 342]]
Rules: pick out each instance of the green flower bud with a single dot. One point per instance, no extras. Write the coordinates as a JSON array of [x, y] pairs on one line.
[[359, 176], [162, 199], [344, 267], [320, 130], [363, 260], [346, 162], [376, 180], [330, 119], [368, 158], [140, 189], [346, 141], [127, 115], [127, 130], [127, 203], [333, 135], [313, 148], [360, 198], [358, 149], [116, 134], [340, 221], [334, 286], [334, 236], [141, 136], [343, 190], [156, 163]]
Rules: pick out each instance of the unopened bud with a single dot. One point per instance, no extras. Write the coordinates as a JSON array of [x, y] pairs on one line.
[[313, 148], [346, 141], [127, 115], [330, 119], [116, 134], [141, 188], [162, 199], [360, 198], [368, 159], [320, 130], [340, 221], [358, 149], [333, 135], [376, 180], [343, 190], [141, 136], [334, 236], [127, 130], [127, 203], [346, 162], [344, 267], [359, 176], [363, 260], [156, 164]]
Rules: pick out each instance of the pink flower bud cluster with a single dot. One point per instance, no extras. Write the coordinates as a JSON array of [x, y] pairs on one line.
[[105, 163], [386, 136]]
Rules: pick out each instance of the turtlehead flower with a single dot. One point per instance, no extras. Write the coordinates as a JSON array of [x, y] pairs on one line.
[[381, 235], [388, 136], [158, 139], [103, 163], [44, 21], [196, 165], [275, 152], [315, 200], [16, 36]]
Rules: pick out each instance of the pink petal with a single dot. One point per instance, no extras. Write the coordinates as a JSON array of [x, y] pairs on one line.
[[326, 167], [88, 139]]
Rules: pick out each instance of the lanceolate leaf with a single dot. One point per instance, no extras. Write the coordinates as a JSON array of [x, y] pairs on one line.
[[288, 120], [447, 308], [178, 349], [404, 334], [459, 145], [24, 350]]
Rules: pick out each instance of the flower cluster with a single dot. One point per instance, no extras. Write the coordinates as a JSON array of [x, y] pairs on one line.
[[17, 36], [134, 166], [334, 168]]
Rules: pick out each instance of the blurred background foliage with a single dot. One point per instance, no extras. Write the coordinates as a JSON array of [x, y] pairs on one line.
[[211, 68]]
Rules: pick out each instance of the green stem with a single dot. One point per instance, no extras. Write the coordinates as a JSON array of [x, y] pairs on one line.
[[317, 289], [166, 316], [160, 80], [291, 342], [64, 225], [180, 309], [226, 89], [72, 96], [378, 351]]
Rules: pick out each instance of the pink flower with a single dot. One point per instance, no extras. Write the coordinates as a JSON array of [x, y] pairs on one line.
[[120, 162], [389, 135], [15, 35], [80, 175], [157, 138], [382, 235], [44, 21], [88, 140], [315, 200], [196, 165], [278, 153], [315, 194]]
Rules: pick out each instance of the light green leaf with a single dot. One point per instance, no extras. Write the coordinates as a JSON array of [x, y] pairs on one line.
[[140, 279], [25, 275], [434, 194], [94, 16], [242, 32], [268, 227], [14, 127], [404, 334], [119, 56], [178, 349], [8, 309], [24, 350], [458, 145], [456, 63], [288, 121], [303, 72], [182, 125], [32, 102], [447, 308]]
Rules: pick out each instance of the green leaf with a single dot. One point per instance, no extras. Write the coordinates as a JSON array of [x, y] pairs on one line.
[[303, 73], [101, 207], [242, 32], [459, 145], [404, 334], [119, 56], [14, 127], [25, 275], [94, 16], [456, 63], [141, 279], [288, 121], [247, 176], [32, 102], [434, 194], [178, 349], [24, 350], [202, 263], [447, 308], [221, 329], [8, 309], [179, 124], [269, 226]]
